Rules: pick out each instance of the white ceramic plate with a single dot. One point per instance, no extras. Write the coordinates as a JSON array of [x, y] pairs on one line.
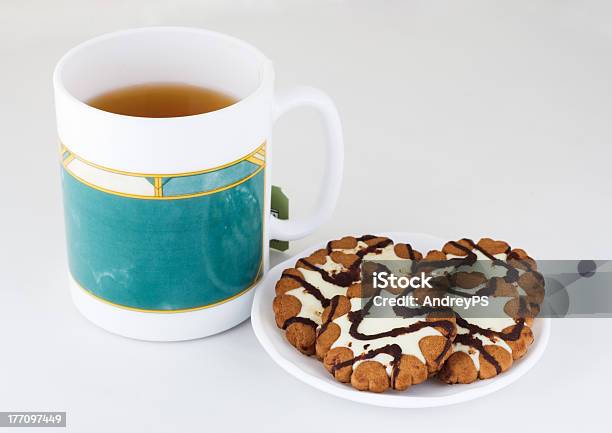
[[429, 394]]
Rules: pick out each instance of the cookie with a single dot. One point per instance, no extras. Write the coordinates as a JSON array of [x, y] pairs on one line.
[[304, 291], [486, 347]]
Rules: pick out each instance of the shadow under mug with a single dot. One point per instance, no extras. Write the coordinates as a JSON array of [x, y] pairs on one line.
[[168, 219]]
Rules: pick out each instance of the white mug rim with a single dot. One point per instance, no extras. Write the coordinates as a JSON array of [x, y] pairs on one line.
[[265, 69]]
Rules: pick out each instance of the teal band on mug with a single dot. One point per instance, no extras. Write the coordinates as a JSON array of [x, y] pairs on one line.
[[184, 242]]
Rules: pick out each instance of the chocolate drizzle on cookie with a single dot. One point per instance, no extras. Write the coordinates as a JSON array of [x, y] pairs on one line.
[[511, 275], [471, 340], [297, 319], [332, 310], [309, 288], [353, 273], [411, 254]]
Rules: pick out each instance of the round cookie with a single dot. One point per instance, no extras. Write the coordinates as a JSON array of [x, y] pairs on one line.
[[486, 347], [304, 291]]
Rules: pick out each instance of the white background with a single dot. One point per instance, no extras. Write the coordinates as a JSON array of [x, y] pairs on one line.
[[463, 118]]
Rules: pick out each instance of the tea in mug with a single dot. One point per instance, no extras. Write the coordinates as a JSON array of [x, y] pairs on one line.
[[161, 100]]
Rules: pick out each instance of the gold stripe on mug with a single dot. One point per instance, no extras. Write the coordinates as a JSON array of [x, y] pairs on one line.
[[261, 150], [149, 187]]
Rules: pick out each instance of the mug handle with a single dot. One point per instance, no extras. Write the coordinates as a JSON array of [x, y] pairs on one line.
[[288, 230]]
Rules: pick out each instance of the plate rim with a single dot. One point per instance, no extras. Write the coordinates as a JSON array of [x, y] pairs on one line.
[[400, 400]]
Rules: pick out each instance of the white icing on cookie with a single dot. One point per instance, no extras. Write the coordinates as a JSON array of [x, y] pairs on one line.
[[501, 320], [479, 256], [327, 289], [331, 267], [386, 253], [311, 306]]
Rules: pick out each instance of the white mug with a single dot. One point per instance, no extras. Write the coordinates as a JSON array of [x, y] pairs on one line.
[[168, 219]]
